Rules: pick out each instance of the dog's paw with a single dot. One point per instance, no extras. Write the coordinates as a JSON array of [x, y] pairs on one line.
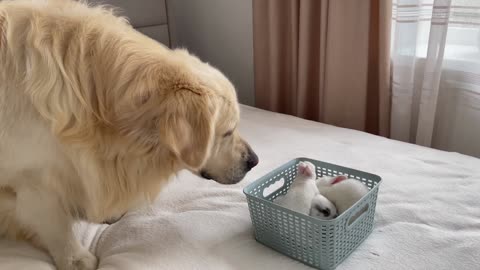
[[82, 260], [86, 261]]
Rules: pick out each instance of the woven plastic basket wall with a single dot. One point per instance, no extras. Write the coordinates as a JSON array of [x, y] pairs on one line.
[[323, 244]]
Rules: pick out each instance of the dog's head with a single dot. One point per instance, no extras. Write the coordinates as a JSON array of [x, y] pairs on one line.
[[193, 114]]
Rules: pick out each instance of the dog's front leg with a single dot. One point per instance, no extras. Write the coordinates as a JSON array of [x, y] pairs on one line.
[[40, 211]]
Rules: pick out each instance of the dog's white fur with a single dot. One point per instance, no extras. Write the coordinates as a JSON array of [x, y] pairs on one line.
[[95, 118]]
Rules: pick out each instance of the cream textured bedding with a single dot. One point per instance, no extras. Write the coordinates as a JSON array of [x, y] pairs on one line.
[[428, 209]]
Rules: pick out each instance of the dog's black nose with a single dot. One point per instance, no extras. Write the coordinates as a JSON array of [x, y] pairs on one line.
[[205, 175], [252, 160]]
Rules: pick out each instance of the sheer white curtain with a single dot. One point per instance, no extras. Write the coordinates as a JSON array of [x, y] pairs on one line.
[[436, 74]]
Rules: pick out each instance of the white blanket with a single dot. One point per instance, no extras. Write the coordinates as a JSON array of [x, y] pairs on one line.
[[428, 209]]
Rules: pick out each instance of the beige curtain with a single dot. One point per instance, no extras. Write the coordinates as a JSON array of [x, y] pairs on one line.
[[324, 60]]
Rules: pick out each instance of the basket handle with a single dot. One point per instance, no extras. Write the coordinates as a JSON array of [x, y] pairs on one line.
[[358, 215], [274, 187]]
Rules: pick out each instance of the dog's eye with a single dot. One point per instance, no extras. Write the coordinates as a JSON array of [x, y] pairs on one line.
[[228, 133]]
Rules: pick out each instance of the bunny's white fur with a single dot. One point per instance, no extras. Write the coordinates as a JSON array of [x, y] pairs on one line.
[[340, 190], [299, 196], [322, 208]]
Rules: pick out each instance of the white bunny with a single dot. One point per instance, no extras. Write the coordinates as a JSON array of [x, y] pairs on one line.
[[322, 208], [299, 196], [341, 190]]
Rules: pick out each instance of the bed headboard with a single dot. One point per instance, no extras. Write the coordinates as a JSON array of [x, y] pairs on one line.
[[147, 16]]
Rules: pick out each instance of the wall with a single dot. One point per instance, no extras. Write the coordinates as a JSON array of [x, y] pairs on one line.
[[220, 33]]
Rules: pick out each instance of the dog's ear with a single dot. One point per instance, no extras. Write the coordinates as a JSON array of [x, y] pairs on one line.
[[136, 118], [186, 126], [181, 121]]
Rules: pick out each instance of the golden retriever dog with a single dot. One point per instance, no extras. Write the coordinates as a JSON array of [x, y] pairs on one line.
[[95, 118]]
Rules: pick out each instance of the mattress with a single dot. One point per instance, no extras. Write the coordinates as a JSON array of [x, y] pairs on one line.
[[428, 209]]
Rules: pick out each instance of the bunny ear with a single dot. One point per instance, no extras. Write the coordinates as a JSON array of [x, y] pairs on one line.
[[339, 179], [304, 169]]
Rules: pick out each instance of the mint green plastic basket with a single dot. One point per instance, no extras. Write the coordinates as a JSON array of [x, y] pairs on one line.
[[322, 244]]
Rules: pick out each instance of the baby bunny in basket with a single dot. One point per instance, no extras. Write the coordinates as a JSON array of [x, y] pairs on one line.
[[303, 195], [325, 197], [341, 190]]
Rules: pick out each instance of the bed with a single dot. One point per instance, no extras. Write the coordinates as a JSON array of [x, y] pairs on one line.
[[428, 209]]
